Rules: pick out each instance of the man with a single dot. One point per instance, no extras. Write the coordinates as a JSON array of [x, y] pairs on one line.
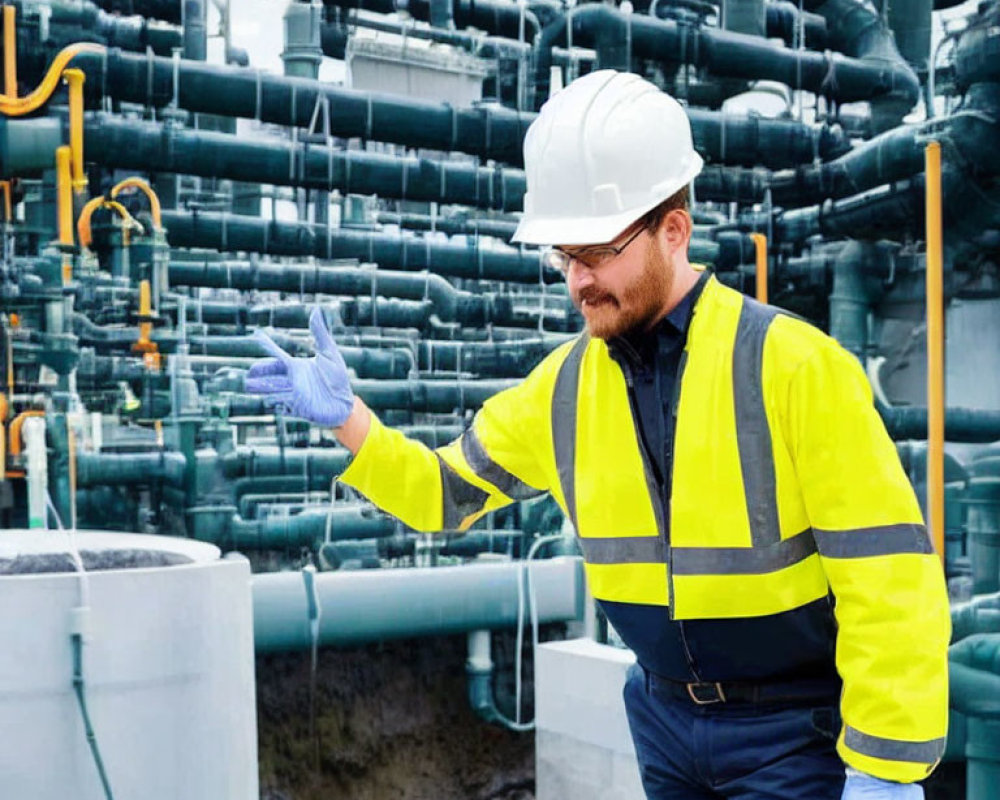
[[744, 519]]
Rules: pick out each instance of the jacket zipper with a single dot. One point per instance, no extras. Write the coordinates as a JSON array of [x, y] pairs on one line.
[[656, 493]]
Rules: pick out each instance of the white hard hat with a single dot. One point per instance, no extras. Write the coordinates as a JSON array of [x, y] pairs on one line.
[[601, 153]]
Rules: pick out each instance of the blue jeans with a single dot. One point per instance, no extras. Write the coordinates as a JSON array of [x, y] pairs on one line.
[[741, 751]]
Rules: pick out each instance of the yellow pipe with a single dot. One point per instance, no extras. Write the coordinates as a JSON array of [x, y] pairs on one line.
[[139, 183], [10, 52], [8, 207], [64, 193], [75, 78], [760, 246], [935, 348], [19, 106], [64, 199], [83, 232]]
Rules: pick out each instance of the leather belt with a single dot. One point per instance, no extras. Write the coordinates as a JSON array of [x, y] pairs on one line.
[[706, 693]]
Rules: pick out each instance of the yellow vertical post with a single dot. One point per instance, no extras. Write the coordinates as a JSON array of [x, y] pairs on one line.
[[64, 195], [74, 79], [760, 247], [935, 348], [10, 51]]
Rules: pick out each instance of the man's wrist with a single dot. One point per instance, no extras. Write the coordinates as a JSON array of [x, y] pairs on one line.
[[354, 431]]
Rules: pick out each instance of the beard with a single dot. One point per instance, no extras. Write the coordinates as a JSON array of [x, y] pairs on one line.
[[637, 307]]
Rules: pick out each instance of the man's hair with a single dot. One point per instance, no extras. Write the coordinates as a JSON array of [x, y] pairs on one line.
[[680, 199]]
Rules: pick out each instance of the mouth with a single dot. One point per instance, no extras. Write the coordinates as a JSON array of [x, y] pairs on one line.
[[597, 302]]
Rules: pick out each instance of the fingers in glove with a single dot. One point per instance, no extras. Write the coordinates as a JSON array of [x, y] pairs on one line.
[[268, 384], [268, 366], [265, 341], [317, 326]]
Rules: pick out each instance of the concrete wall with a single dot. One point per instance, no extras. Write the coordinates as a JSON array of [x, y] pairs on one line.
[[583, 749]]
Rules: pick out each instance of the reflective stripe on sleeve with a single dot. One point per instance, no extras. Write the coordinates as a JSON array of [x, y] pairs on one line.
[[882, 540], [564, 401], [753, 435], [743, 560], [490, 471], [459, 498], [893, 749], [623, 550]]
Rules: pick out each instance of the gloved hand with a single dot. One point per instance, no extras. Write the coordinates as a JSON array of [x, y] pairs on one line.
[[317, 389], [860, 786]]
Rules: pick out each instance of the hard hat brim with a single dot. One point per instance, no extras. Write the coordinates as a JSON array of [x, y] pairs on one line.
[[577, 230]]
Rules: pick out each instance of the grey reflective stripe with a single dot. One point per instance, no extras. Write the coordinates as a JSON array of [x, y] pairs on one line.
[[489, 470], [743, 560], [623, 550], [893, 749], [883, 540], [753, 436], [564, 402], [459, 498]]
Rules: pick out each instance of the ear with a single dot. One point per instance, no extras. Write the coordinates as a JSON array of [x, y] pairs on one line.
[[675, 230]]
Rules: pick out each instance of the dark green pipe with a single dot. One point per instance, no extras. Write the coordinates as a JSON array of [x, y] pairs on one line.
[[308, 529], [724, 53], [977, 52], [429, 396], [229, 232], [960, 425], [130, 469], [450, 304], [167, 10], [494, 133], [82, 20], [113, 141]]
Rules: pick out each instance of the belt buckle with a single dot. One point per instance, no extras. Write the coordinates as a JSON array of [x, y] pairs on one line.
[[716, 688]]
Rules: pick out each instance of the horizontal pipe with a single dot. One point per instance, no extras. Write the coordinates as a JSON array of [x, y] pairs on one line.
[[423, 396], [488, 132], [450, 304], [129, 470], [166, 10], [972, 425], [308, 529], [82, 20], [135, 145], [230, 232], [735, 55], [355, 607]]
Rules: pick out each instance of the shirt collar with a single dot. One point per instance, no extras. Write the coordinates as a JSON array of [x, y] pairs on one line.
[[642, 344]]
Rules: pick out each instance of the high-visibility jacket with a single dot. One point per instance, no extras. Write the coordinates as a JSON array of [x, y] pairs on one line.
[[785, 487]]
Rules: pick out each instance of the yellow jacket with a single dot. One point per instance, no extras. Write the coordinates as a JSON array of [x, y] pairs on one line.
[[785, 487]]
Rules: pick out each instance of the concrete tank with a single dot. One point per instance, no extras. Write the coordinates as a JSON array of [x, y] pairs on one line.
[[168, 668]]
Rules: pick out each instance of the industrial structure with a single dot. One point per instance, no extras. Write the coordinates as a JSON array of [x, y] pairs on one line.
[[156, 207]]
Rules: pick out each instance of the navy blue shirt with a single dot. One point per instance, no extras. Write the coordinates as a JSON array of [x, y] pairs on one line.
[[794, 644]]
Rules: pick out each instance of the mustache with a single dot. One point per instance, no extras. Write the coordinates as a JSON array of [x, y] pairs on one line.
[[592, 294]]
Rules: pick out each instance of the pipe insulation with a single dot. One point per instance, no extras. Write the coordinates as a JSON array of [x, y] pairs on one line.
[[449, 303], [368, 606], [135, 145], [229, 232], [615, 35], [489, 132]]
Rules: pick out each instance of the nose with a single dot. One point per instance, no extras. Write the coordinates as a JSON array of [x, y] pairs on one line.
[[579, 277]]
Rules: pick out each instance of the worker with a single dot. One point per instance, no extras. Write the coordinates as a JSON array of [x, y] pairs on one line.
[[744, 520]]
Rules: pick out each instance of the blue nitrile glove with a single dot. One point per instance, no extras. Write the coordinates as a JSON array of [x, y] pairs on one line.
[[317, 389], [861, 786]]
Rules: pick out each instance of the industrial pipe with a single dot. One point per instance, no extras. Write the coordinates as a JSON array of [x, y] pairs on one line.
[[935, 348], [10, 51], [493, 133], [725, 53], [450, 304], [229, 232], [373, 605], [130, 469]]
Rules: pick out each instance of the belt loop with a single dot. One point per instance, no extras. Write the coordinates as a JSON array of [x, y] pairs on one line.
[[645, 677]]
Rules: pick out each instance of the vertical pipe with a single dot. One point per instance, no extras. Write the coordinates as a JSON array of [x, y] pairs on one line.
[[37, 471], [935, 348], [760, 247], [10, 51], [74, 78], [64, 197]]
